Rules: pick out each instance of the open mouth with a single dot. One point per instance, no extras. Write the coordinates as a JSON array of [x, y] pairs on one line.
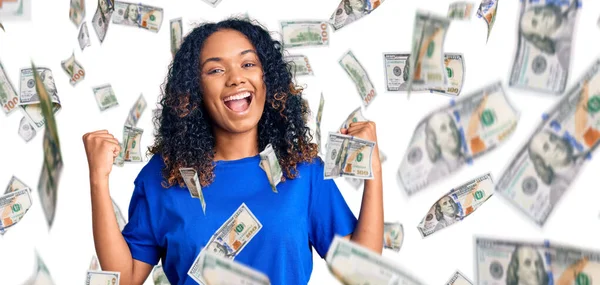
[[239, 102]]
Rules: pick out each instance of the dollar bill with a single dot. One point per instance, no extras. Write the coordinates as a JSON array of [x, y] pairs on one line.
[[544, 168], [304, 33], [159, 277], [318, 119], [13, 207], [543, 53], [393, 236], [84, 36], [136, 111], [29, 98], [213, 3], [102, 277], [457, 204], [101, 19], [151, 18], [41, 276], [354, 117], [120, 160], [138, 15], [358, 183], [15, 10], [52, 164], [15, 184], [348, 156], [487, 11], [218, 270], [460, 10], [176, 35], [73, 69], [94, 263], [190, 177], [270, 165], [349, 11], [451, 136], [77, 11], [118, 215], [8, 96], [459, 279], [426, 66], [359, 76], [499, 261], [132, 144], [299, 63], [353, 264], [105, 97], [397, 73]]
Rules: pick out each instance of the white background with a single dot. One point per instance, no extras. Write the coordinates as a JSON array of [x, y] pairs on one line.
[[135, 61]]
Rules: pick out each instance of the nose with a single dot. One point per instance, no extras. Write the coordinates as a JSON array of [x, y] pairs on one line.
[[235, 77]]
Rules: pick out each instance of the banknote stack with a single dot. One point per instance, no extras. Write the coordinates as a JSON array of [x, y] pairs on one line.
[[299, 63], [176, 35], [457, 204], [228, 241], [84, 36], [544, 168], [77, 12], [29, 97], [14, 204], [350, 11], [460, 10], [359, 76], [543, 54], [351, 263], [459, 279], [41, 276], [159, 277], [101, 19], [8, 96], [397, 73], [95, 277], [138, 15], [318, 120], [393, 236], [348, 156], [73, 69], [449, 137], [304, 33], [499, 261], [270, 165], [426, 66], [105, 97], [217, 270], [487, 11], [190, 178]]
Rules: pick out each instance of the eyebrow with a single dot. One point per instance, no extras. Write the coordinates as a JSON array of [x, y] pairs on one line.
[[218, 59]]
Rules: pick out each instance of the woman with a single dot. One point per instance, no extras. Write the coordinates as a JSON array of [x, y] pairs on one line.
[[228, 94]]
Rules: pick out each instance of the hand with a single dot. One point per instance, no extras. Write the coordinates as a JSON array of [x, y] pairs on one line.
[[366, 131], [101, 148]]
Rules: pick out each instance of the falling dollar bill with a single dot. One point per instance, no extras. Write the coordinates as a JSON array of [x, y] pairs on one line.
[[217, 270], [458, 279], [77, 11], [543, 54], [8, 96], [101, 19], [299, 63], [41, 275], [136, 111], [13, 207], [451, 136], [353, 264], [348, 156], [229, 240], [487, 11], [132, 137], [29, 98], [84, 36], [426, 66], [359, 76], [460, 10], [318, 119], [544, 168], [73, 69], [354, 117], [159, 277], [105, 97], [500, 261], [15, 10], [118, 215], [26, 130], [350, 11], [138, 15], [397, 73], [457, 204], [213, 3], [358, 183], [393, 236], [15, 184], [190, 177], [270, 165], [176, 35], [102, 277], [304, 33]]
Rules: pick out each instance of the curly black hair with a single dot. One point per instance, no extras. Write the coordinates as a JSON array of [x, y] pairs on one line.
[[183, 128]]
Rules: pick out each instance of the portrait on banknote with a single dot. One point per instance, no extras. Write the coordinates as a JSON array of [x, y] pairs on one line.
[[131, 15], [526, 267], [443, 144]]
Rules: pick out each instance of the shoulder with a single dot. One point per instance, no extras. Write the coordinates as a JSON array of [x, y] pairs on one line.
[[311, 169], [151, 173]]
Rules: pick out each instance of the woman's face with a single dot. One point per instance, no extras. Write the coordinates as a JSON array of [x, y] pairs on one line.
[[232, 81]]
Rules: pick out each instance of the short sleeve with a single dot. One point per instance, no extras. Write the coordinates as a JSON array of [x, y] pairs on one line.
[[138, 232], [329, 215]]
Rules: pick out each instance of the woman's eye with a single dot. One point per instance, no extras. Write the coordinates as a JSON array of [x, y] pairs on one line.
[[213, 71], [249, 64]]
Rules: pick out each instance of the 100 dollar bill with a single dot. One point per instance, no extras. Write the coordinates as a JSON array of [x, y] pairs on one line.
[[270, 165], [348, 156], [300, 65], [13, 207], [542, 171], [349, 11], [8, 96], [359, 76], [29, 98], [304, 33], [217, 270]]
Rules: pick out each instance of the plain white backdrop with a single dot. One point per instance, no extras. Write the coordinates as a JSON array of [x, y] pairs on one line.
[[135, 61]]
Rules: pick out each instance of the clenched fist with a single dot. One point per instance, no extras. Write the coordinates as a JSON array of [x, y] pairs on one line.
[[101, 149]]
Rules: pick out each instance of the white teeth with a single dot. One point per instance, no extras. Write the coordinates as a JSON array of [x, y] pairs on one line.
[[237, 97]]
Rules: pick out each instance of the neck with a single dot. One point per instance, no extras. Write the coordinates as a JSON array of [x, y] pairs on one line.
[[232, 146]]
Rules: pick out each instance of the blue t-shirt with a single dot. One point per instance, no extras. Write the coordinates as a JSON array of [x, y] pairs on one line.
[[307, 212]]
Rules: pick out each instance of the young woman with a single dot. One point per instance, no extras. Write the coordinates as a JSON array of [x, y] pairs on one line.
[[228, 94]]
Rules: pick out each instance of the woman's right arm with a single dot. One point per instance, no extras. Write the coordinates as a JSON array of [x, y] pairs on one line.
[[112, 250]]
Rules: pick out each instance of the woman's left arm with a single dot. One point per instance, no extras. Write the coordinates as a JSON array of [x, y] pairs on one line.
[[369, 229]]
